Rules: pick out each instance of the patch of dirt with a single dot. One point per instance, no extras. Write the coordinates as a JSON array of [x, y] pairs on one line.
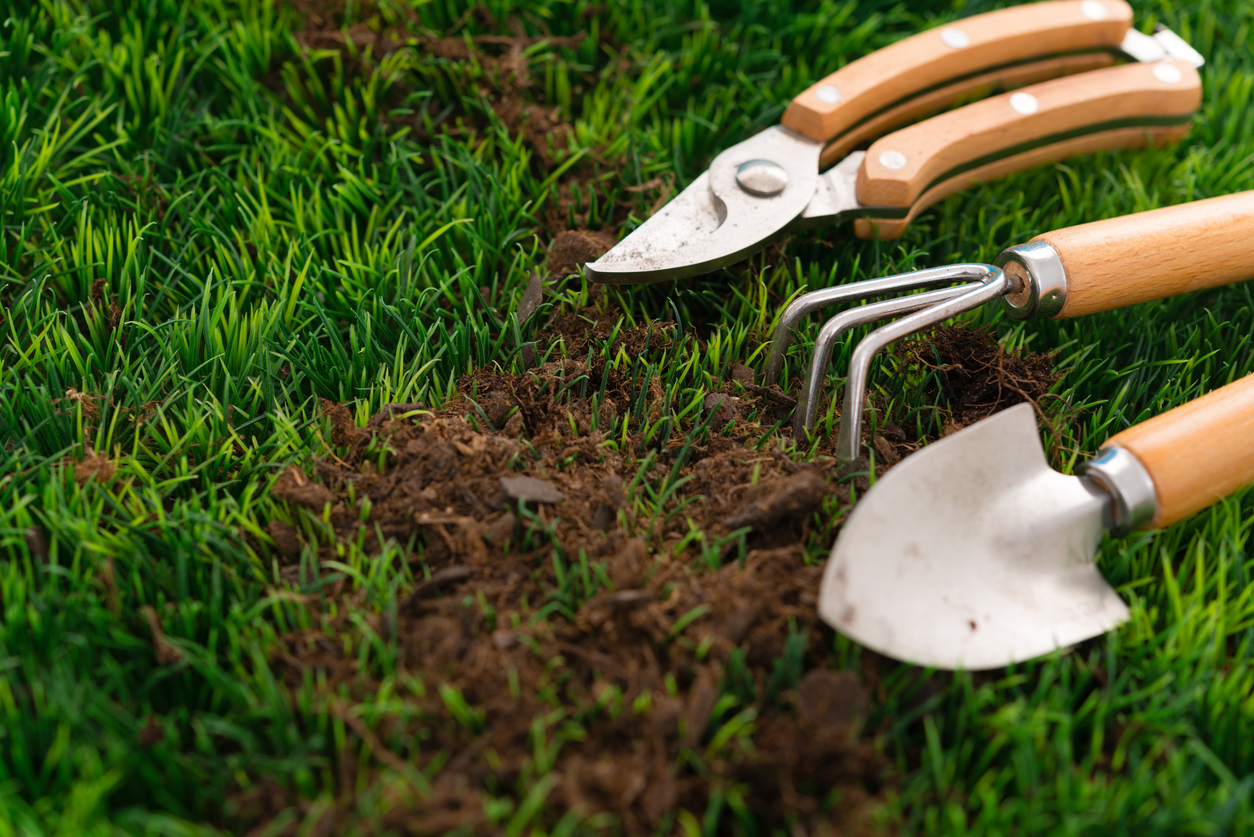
[[324, 28], [506, 81], [501, 74], [548, 585], [506, 86], [978, 376], [546, 581], [580, 331]]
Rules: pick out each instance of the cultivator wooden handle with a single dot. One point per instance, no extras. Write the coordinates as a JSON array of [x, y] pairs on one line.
[[1156, 254], [1117, 107], [956, 58], [1198, 453]]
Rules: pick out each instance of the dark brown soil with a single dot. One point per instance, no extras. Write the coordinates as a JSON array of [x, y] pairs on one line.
[[506, 89], [977, 375]]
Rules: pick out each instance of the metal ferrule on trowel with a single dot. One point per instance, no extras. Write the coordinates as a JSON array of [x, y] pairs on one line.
[[1086, 269]]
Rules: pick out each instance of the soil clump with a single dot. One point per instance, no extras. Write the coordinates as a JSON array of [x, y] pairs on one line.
[[573, 248], [977, 375]]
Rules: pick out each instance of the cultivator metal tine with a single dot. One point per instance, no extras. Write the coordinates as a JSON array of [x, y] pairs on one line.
[[837, 327], [855, 292], [922, 308], [860, 363]]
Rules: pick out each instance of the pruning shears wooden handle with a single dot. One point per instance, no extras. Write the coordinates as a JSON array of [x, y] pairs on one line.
[[1030, 43], [1117, 107]]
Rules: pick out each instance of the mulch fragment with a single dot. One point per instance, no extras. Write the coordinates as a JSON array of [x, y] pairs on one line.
[[285, 537], [150, 734], [167, 654], [531, 490], [94, 467], [37, 542], [775, 501], [293, 486], [827, 698], [571, 249]]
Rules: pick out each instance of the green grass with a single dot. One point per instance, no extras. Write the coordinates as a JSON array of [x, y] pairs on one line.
[[208, 225]]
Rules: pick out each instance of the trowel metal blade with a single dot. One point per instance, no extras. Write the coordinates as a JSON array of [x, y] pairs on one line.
[[973, 553]]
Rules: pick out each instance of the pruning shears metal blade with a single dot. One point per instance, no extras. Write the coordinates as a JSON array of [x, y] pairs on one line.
[[750, 194]]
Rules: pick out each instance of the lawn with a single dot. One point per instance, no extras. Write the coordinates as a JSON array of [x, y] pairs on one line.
[[333, 500]]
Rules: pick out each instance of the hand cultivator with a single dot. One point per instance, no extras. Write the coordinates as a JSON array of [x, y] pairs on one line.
[[771, 183], [1100, 266]]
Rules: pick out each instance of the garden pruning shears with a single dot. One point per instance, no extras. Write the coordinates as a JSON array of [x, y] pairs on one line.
[[779, 179]]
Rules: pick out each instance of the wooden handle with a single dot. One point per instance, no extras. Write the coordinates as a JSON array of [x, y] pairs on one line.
[[1156, 254], [964, 48], [1198, 453], [966, 90], [902, 166], [1121, 138]]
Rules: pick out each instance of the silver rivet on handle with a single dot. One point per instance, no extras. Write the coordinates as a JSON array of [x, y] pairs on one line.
[[1167, 73], [827, 94], [1024, 103], [954, 38], [892, 160]]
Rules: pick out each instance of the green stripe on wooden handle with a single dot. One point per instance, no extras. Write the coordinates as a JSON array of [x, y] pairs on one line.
[[902, 167]]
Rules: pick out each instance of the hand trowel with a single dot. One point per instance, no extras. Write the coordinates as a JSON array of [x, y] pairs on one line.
[[973, 553]]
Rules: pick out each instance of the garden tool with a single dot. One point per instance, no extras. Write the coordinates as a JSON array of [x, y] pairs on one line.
[[973, 553], [1099, 266], [771, 183]]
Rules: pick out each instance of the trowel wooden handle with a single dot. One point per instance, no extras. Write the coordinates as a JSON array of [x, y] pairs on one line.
[[1198, 453], [1156, 254], [952, 52], [905, 169]]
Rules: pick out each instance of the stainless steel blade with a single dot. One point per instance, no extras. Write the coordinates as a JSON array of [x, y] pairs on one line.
[[1163, 45], [717, 220], [836, 196], [973, 554]]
